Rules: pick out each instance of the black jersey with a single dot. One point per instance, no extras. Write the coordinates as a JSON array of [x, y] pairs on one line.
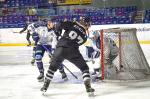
[[25, 28], [74, 35]]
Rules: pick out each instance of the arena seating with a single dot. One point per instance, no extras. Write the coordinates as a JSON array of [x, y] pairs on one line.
[[112, 15], [16, 21], [116, 15], [147, 16], [24, 3]]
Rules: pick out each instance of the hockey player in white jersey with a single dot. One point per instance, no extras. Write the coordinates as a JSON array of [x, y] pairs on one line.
[[44, 35], [93, 52]]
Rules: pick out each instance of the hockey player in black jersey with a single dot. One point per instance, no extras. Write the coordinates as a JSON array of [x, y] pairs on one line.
[[67, 48]]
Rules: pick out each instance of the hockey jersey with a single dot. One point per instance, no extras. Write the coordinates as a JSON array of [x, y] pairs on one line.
[[46, 36], [74, 34], [110, 46]]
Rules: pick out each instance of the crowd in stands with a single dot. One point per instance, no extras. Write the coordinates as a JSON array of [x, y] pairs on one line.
[[12, 17]]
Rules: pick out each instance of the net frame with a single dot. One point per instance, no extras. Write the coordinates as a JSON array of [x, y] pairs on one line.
[[118, 31]]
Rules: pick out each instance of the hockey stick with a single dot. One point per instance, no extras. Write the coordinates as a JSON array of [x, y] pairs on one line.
[[19, 32], [71, 72], [49, 53], [63, 64]]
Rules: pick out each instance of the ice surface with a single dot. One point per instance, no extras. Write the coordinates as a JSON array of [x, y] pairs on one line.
[[18, 80]]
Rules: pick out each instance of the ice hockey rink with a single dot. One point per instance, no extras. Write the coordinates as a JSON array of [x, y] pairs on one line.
[[18, 80], [18, 77]]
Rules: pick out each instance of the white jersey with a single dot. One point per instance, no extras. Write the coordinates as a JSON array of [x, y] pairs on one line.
[[94, 46], [31, 28], [46, 36], [110, 46]]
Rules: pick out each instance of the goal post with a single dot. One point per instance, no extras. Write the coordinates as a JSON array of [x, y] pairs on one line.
[[130, 62]]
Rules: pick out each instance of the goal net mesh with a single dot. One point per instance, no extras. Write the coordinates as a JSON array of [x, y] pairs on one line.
[[130, 63]]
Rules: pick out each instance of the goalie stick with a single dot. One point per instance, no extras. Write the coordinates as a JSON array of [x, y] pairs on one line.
[[63, 64]]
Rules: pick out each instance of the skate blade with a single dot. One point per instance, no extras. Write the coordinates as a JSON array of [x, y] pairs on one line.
[[91, 94], [44, 92], [65, 79]]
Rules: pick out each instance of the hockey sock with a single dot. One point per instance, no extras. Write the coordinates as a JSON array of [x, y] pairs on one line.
[[50, 74], [86, 75], [40, 67]]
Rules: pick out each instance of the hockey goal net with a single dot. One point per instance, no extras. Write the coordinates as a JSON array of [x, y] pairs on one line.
[[130, 63]]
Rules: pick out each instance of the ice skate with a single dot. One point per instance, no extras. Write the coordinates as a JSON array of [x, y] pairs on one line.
[[28, 45], [97, 70], [90, 92], [45, 86], [89, 89], [96, 79], [40, 78], [64, 76], [32, 61], [94, 73]]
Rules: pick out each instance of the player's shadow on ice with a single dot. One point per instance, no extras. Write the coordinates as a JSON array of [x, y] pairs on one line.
[[71, 79]]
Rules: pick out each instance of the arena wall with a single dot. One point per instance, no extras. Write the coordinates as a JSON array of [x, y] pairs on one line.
[[11, 36]]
